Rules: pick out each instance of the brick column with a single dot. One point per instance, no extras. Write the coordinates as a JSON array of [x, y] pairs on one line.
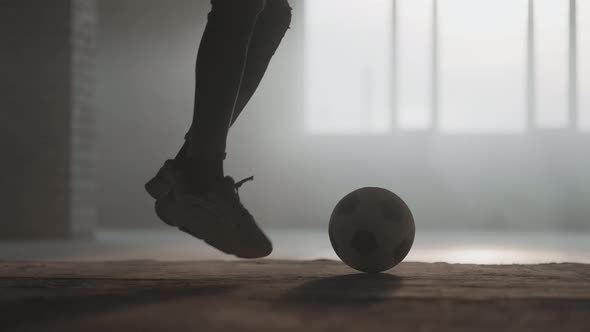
[[47, 121]]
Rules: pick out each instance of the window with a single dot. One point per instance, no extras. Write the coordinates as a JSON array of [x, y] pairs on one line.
[[482, 65], [414, 64], [551, 60], [460, 66], [348, 66]]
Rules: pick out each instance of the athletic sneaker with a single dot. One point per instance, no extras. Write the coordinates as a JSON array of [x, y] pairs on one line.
[[162, 183], [215, 214]]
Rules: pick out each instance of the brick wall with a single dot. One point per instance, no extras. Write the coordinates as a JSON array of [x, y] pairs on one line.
[[83, 117]]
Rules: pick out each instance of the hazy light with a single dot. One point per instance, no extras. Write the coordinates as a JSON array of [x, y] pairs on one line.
[[583, 8], [429, 247], [414, 66], [348, 66], [551, 57], [482, 60], [478, 255], [482, 65]]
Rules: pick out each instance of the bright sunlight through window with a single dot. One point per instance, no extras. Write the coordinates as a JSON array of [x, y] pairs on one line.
[[458, 66]]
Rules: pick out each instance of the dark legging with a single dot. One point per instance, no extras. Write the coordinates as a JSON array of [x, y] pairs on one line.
[[238, 43]]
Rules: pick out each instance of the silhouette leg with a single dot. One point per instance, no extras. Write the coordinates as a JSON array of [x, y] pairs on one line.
[[271, 26], [192, 193], [270, 29], [221, 61]]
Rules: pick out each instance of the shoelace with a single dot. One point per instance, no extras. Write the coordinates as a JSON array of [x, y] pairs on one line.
[[239, 184]]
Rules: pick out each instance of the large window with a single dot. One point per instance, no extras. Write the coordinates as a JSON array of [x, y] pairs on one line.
[[456, 66], [482, 65], [551, 59], [414, 65]]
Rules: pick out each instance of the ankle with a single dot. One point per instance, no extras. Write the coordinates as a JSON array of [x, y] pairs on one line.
[[202, 171]]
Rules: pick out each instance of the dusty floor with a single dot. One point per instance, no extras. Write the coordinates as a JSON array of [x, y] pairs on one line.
[[291, 296], [430, 246]]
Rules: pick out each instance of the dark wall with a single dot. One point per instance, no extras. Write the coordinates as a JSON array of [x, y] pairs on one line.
[[35, 117], [44, 62]]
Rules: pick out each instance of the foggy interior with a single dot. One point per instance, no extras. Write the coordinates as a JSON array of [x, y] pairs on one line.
[[475, 112], [469, 120], [465, 109]]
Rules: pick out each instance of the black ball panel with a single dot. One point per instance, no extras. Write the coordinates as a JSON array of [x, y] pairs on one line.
[[347, 205], [364, 243]]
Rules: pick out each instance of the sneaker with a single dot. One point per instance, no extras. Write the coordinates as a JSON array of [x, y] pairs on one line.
[[215, 215], [162, 183]]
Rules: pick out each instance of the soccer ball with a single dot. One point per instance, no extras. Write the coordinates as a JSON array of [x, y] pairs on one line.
[[372, 229]]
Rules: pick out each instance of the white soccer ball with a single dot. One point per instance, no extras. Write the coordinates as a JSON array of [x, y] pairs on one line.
[[372, 229]]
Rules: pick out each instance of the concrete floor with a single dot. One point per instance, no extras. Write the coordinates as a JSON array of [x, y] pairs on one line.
[[429, 246], [142, 281], [308, 296]]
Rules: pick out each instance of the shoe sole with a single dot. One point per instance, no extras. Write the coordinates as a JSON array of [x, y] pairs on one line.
[[167, 210]]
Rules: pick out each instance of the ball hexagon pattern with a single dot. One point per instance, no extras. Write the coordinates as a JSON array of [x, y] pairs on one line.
[[372, 229]]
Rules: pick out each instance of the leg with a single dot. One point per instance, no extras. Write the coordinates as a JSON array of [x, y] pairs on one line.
[[191, 192], [270, 28], [219, 71]]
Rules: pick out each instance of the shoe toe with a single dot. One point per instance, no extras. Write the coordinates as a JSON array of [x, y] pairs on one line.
[[254, 244], [262, 247]]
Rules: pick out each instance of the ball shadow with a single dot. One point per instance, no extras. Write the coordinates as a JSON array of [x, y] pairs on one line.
[[347, 290]]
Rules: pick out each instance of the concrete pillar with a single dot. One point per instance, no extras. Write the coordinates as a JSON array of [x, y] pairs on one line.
[[47, 120]]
